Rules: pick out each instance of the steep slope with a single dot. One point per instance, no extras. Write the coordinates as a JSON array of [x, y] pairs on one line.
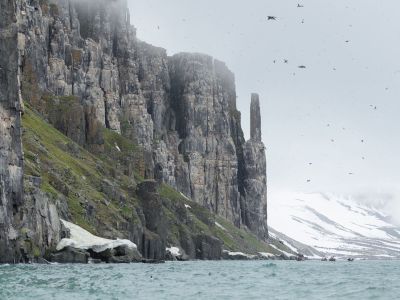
[[334, 225], [98, 193]]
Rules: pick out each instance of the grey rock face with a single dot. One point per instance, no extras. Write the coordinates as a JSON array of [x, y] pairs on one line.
[[208, 248], [11, 187], [255, 183], [70, 255]]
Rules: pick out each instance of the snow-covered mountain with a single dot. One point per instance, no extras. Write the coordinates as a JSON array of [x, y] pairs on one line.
[[322, 224]]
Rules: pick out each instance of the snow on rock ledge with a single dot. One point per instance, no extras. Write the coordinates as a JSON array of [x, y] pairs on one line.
[[82, 239]]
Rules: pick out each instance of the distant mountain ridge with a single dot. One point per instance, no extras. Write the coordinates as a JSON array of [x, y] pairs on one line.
[[327, 224]]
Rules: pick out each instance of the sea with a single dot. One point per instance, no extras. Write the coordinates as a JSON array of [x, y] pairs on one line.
[[204, 280]]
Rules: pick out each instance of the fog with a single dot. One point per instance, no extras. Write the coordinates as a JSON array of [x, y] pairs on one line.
[[330, 127]]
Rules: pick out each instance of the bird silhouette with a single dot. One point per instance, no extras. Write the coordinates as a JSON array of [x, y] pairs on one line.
[[302, 67], [299, 5], [286, 61], [271, 18]]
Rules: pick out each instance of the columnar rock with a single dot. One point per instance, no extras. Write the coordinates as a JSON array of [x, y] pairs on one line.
[[202, 98], [28, 223], [11, 187], [255, 118], [255, 183]]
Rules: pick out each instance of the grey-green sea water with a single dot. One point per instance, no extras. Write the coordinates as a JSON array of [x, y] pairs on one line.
[[204, 280]]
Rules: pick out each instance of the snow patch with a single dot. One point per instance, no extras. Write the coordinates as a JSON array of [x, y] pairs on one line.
[[184, 196], [220, 226], [230, 253], [266, 254], [174, 251], [82, 239], [283, 252]]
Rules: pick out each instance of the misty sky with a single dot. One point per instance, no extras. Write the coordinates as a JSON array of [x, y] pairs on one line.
[[317, 115]]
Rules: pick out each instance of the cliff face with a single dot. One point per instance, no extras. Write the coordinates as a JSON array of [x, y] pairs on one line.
[[11, 186], [83, 69]]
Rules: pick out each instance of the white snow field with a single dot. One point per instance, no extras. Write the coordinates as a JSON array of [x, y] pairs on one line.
[[325, 224], [82, 239]]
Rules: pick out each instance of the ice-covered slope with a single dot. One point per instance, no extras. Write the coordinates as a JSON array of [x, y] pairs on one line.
[[333, 225]]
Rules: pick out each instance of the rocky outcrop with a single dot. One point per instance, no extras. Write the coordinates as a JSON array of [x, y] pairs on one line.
[[255, 183], [80, 65], [11, 187]]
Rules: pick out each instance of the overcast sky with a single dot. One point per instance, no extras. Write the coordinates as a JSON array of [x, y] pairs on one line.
[[324, 114]]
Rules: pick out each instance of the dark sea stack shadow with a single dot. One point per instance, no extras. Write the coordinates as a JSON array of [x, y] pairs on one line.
[[109, 133]]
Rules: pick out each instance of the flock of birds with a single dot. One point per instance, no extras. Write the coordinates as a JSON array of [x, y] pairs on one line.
[[286, 61]]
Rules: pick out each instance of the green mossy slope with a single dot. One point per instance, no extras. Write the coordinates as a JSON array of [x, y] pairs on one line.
[[98, 191]]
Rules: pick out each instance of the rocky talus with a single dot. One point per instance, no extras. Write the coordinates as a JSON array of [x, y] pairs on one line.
[[137, 116]]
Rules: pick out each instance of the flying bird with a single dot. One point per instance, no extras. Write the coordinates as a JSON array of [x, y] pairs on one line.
[[271, 18], [299, 5], [362, 141], [302, 67], [332, 140], [286, 61], [308, 180]]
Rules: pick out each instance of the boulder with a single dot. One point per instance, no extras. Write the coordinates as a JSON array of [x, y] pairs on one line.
[[208, 247], [70, 255]]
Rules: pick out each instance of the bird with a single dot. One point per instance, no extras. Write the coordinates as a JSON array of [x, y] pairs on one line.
[[158, 27], [347, 41], [299, 5], [334, 69], [302, 67], [308, 180], [350, 173], [332, 140], [310, 163], [362, 141], [363, 158], [302, 21], [286, 61], [274, 61], [271, 18]]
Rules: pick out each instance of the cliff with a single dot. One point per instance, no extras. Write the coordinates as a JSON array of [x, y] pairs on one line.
[[129, 114]]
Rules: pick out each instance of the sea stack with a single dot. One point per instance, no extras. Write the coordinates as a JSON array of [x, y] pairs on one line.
[[255, 183]]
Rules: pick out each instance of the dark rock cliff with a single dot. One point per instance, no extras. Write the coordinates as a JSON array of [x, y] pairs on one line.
[[82, 68]]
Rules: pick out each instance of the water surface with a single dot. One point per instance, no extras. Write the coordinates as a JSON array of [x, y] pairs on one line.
[[204, 280]]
